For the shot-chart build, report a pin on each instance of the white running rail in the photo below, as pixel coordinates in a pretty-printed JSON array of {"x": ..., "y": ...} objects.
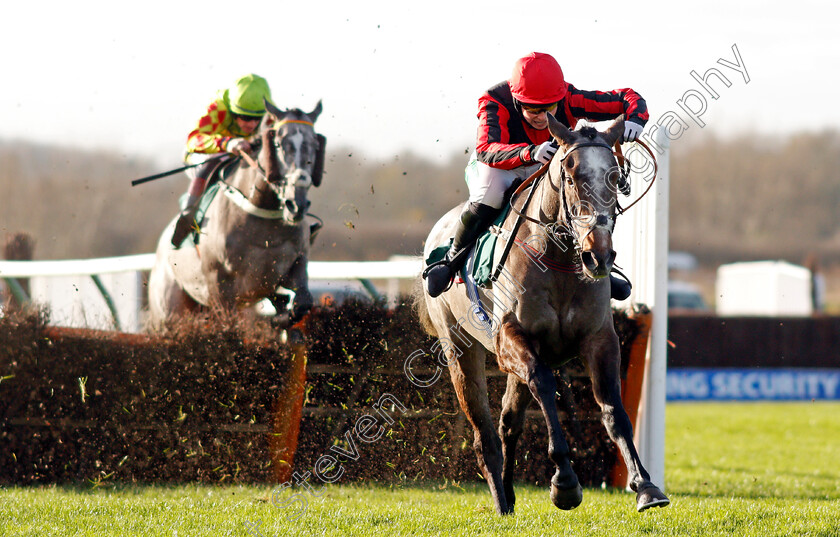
[{"x": 318, "y": 270}]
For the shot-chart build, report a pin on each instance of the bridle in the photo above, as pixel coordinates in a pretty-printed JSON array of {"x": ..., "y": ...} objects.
[
  {"x": 533, "y": 180},
  {"x": 273, "y": 135},
  {"x": 622, "y": 162},
  {"x": 564, "y": 228},
  {"x": 277, "y": 187}
]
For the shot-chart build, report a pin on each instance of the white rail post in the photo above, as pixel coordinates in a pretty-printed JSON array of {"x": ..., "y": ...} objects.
[
  {"x": 651, "y": 427},
  {"x": 641, "y": 240}
]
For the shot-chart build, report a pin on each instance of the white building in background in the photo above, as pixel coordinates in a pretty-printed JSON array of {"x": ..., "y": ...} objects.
[{"x": 765, "y": 288}]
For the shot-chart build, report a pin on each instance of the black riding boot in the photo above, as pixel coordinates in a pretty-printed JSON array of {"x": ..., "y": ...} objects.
[
  {"x": 314, "y": 228},
  {"x": 473, "y": 222},
  {"x": 186, "y": 221},
  {"x": 620, "y": 287}
]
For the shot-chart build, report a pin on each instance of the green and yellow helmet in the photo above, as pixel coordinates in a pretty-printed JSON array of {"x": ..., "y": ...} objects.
[{"x": 247, "y": 94}]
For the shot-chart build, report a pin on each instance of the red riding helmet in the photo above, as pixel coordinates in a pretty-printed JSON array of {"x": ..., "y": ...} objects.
[{"x": 537, "y": 79}]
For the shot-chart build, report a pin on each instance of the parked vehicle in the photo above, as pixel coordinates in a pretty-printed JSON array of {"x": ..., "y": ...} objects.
[{"x": 685, "y": 296}]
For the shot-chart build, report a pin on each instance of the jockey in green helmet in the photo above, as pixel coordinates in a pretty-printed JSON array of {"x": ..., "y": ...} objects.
[{"x": 226, "y": 127}]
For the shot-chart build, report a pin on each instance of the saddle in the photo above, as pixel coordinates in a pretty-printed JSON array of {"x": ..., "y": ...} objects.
[
  {"x": 204, "y": 202},
  {"x": 220, "y": 171},
  {"x": 482, "y": 250},
  {"x": 479, "y": 266}
]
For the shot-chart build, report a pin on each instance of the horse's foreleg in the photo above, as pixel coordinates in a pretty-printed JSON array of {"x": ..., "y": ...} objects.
[
  {"x": 514, "y": 404},
  {"x": 516, "y": 355},
  {"x": 298, "y": 281},
  {"x": 604, "y": 364},
  {"x": 470, "y": 383}
]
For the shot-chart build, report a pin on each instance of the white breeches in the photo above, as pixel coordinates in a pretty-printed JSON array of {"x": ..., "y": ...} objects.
[{"x": 488, "y": 185}]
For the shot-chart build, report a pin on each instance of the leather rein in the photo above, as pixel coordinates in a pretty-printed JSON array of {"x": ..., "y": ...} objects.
[
  {"x": 241, "y": 200},
  {"x": 623, "y": 164},
  {"x": 600, "y": 220}
]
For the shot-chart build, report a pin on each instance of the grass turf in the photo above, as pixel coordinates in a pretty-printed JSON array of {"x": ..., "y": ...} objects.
[{"x": 761, "y": 469}]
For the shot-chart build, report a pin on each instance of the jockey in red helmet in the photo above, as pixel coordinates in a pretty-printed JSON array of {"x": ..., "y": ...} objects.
[
  {"x": 514, "y": 141},
  {"x": 537, "y": 79}
]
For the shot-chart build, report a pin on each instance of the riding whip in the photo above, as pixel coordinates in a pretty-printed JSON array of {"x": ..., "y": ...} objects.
[{"x": 176, "y": 170}]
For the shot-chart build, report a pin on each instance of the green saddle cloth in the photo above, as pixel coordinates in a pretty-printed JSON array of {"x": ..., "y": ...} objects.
[
  {"x": 484, "y": 249},
  {"x": 203, "y": 205}
]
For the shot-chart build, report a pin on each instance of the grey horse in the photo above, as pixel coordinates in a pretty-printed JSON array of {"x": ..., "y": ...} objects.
[
  {"x": 254, "y": 237},
  {"x": 549, "y": 304}
]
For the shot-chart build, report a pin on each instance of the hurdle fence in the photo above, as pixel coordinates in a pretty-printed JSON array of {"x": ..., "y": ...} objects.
[{"x": 642, "y": 238}]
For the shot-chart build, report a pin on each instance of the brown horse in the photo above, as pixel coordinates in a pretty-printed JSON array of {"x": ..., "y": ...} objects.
[
  {"x": 550, "y": 304},
  {"x": 254, "y": 237}
]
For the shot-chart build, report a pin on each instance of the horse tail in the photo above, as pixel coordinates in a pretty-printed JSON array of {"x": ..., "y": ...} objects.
[{"x": 418, "y": 297}]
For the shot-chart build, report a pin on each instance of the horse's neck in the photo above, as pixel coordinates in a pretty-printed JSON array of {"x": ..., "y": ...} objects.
[
  {"x": 254, "y": 182},
  {"x": 255, "y": 188}
]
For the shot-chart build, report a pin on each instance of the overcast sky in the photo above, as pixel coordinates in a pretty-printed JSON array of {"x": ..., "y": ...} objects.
[{"x": 135, "y": 76}]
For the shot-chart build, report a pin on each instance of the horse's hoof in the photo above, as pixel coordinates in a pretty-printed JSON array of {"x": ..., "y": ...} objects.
[
  {"x": 566, "y": 499},
  {"x": 650, "y": 497},
  {"x": 299, "y": 312},
  {"x": 504, "y": 511},
  {"x": 511, "y": 499},
  {"x": 281, "y": 321},
  {"x": 295, "y": 337}
]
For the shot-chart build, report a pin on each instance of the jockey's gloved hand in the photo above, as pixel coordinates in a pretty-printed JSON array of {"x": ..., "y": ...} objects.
[
  {"x": 632, "y": 130},
  {"x": 238, "y": 145},
  {"x": 543, "y": 152}
]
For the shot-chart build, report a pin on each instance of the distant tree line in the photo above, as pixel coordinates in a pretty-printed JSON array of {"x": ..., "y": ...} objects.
[
  {"x": 757, "y": 197},
  {"x": 743, "y": 198}
]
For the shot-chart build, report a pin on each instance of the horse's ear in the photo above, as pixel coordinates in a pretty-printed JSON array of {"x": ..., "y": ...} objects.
[
  {"x": 614, "y": 131},
  {"x": 559, "y": 131},
  {"x": 313, "y": 115},
  {"x": 274, "y": 111}
]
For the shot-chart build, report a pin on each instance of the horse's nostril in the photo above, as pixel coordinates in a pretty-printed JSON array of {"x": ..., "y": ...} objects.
[{"x": 589, "y": 260}]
